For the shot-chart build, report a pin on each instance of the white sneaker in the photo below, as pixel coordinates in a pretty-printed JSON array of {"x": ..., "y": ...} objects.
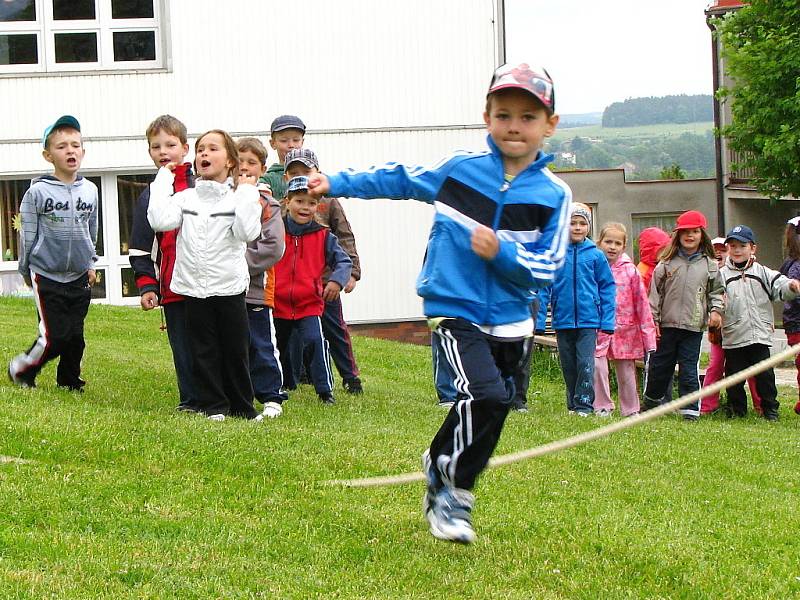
[
  {"x": 272, "y": 410},
  {"x": 449, "y": 515},
  {"x": 219, "y": 417},
  {"x": 603, "y": 412}
]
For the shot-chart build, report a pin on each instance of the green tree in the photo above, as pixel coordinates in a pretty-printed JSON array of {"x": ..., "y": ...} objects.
[
  {"x": 761, "y": 47},
  {"x": 673, "y": 171}
]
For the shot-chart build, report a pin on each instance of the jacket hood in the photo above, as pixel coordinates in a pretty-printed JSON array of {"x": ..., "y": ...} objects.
[
  {"x": 53, "y": 180},
  {"x": 623, "y": 260},
  {"x": 276, "y": 168},
  {"x": 651, "y": 241}
]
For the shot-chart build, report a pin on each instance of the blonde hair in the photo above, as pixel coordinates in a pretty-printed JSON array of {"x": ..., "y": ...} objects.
[{"x": 613, "y": 226}]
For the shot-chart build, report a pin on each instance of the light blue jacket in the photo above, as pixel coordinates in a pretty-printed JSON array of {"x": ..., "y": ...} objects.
[{"x": 530, "y": 217}]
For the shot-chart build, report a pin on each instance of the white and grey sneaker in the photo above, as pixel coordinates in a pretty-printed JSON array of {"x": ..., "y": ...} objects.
[
  {"x": 450, "y": 515},
  {"x": 272, "y": 410},
  {"x": 218, "y": 417}
]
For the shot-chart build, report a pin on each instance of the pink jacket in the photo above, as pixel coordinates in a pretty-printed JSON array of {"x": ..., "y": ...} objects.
[{"x": 635, "y": 332}]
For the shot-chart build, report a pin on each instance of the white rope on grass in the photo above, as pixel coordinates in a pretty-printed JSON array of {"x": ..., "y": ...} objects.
[
  {"x": 13, "y": 459},
  {"x": 593, "y": 434}
]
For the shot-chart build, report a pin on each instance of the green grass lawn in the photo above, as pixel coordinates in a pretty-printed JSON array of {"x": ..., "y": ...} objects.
[{"x": 123, "y": 498}]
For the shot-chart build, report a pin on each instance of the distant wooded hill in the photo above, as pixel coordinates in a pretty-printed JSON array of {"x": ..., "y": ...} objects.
[{"x": 666, "y": 109}]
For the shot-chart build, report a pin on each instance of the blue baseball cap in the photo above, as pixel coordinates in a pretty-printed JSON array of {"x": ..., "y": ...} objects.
[
  {"x": 741, "y": 233},
  {"x": 297, "y": 184},
  {"x": 287, "y": 122},
  {"x": 64, "y": 121}
]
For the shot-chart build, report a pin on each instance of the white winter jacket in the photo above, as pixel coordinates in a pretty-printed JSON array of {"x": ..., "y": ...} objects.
[
  {"x": 215, "y": 225},
  {"x": 750, "y": 292}
]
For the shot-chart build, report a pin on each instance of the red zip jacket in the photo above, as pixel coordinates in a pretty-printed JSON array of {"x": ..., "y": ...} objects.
[
  {"x": 152, "y": 255},
  {"x": 298, "y": 275}
]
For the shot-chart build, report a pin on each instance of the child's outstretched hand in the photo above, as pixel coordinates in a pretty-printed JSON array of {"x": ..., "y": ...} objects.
[
  {"x": 318, "y": 185},
  {"x": 485, "y": 243},
  {"x": 331, "y": 291},
  {"x": 794, "y": 285},
  {"x": 714, "y": 320}
]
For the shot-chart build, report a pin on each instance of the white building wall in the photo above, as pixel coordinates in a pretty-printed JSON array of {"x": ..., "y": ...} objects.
[{"x": 374, "y": 81}]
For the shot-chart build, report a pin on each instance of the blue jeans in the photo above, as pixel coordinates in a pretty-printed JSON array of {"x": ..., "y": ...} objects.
[
  {"x": 443, "y": 375},
  {"x": 576, "y": 352},
  {"x": 675, "y": 346},
  {"x": 265, "y": 368}
]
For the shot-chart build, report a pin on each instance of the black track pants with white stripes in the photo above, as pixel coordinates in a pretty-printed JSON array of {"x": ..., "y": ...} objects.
[{"x": 484, "y": 369}]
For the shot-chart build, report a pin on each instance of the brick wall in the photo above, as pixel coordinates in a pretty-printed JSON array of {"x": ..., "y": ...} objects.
[{"x": 412, "y": 332}]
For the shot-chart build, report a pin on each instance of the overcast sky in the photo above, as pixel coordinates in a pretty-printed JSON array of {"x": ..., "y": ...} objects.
[{"x": 603, "y": 52}]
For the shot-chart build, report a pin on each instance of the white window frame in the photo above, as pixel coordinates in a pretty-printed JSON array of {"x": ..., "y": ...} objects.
[{"x": 103, "y": 26}]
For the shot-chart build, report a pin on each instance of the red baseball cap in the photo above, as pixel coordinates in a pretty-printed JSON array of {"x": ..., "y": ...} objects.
[
  {"x": 535, "y": 81},
  {"x": 691, "y": 219}
]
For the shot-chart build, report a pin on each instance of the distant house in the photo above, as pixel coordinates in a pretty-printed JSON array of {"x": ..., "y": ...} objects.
[{"x": 737, "y": 200}]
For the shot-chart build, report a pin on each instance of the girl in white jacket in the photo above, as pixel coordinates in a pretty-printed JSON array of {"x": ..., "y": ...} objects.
[{"x": 216, "y": 218}]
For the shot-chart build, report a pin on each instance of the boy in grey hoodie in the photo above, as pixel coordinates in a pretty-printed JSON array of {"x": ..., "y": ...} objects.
[{"x": 58, "y": 236}]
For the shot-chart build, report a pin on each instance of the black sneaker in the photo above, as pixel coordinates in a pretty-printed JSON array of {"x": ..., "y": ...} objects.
[
  {"x": 23, "y": 382},
  {"x": 519, "y": 406},
  {"x": 649, "y": 404},
  {"x": 327, "y": 398},
  {"x": 771, "y": 415},
  {"x": 353, "y": 386}
]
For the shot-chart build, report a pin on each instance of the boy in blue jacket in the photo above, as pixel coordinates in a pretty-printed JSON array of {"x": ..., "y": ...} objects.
[
  {"x": 500, "y": 231},
  {"x": 582, "y": 300}
]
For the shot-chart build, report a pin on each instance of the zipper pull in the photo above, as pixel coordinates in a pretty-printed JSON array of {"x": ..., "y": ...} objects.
[{"x": 505, "y": 186}]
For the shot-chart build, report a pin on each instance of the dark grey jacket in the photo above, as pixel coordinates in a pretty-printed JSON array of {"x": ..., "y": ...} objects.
[{"x": 59, "y": 228}]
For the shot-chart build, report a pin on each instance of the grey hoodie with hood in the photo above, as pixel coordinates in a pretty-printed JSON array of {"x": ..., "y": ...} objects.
[{"x": 59, "y": 228}]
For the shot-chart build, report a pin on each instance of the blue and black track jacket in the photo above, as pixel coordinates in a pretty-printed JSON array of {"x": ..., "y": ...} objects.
[{"x": 530, "y": 216}]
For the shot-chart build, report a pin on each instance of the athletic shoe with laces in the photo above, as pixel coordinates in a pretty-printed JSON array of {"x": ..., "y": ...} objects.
[
  {"x": 603, "y": 412},
  {"x": 450, "y": 515},
  {"x": 20, "y": 381},
  {"x": 353, "y": 386},
  {"x": 272, "y": 410}
]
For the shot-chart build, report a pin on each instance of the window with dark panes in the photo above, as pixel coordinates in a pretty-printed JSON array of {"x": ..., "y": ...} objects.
[
  {"x": 17, "y": 10},
  {"x": 11, "y": 193},
  {"x": 134, "y": 45},
  {"x": 132, "y": 9},
  {"x": 74, "y": 10},
  {"x": 76, "y": 47},
  {"x": 129, "y": 188},
  {"x": 18, "y": 49},
  {"x": 78, "y": 35}
]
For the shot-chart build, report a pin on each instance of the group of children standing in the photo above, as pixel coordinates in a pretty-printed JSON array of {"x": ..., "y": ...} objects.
[
  {"x": 236, "y": 272},
  {"x": 505, "y": 226},
  {"x": 603, "y": 308}
]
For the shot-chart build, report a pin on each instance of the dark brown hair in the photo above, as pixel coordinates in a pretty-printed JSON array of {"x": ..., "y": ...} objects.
[
  {"x": 791, "y": 242},
  {"x": 674, "y": 244},
  {"x": 169, "y": 125},
  {"x": 230, "y": 150}
]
